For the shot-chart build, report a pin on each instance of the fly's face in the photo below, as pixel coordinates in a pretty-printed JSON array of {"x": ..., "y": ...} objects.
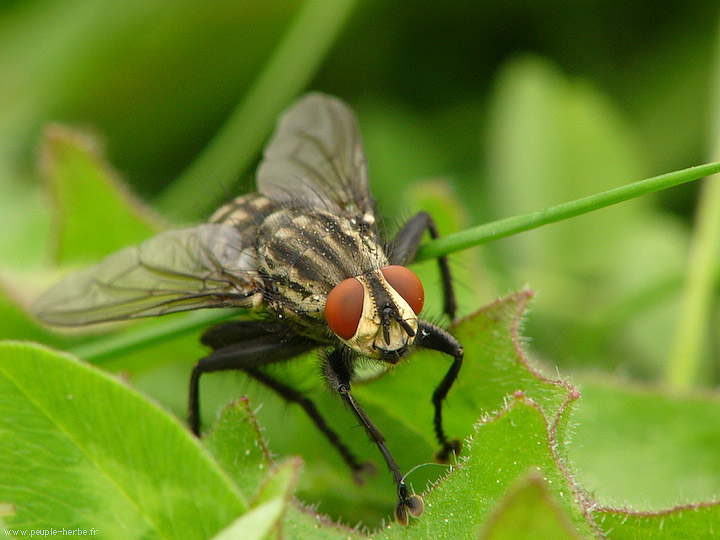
[{"x": 375, "y": 313}]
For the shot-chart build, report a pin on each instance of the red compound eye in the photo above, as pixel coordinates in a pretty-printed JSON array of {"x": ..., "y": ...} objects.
[
  {"x": 407, "y": 284},
  {"x": 344, "y": 307}
]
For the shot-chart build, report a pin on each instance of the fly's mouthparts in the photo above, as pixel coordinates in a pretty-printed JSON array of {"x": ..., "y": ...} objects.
[
  {"x": 390, "y": 313},
  {"x": 406, "y": 326},
  {"x": 386, "y": 323}
]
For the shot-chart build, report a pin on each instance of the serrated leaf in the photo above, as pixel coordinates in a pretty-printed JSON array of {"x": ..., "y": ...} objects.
[
  {"x": 690, "y": 521},
  {"x": 496, "y": 371},
  {"x": 89, "y": 198},
  {"x": 79, "y": 449},
  {"x": 526, "y": 434},
  {"x": 641, "y": 451},
  {"x": 502, "y": 450}
]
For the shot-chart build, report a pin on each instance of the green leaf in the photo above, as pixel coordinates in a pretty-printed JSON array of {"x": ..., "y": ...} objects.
[
  {"x": 517, "y": 439},
  {"x": 268, "y": 509},
  {"x": 79, "y": 449},
  {"x": 690, "y": 521},
  {"x": 528, "y": 511},
  {"x": 237, "y": 444},
  {"x": 88, "y": 197},
  {"x": 506, "y": 447},
  {"x": 501, "y": 452},
  {"x": 255, "y": 524},
  {"x": 119, "y": 459},
  {"x": 399, "y": 403},
  {"x": 645, "y": 447},
  {"x": 649, "y": 458}
]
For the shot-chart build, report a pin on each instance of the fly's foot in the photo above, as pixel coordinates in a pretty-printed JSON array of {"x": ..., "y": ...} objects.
[
  {"x": 449, "y": 448},
  {"x": 408, "y": 505}
]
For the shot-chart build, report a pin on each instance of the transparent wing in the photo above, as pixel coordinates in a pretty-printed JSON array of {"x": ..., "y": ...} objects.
[
  {"x": 204, "y": 266},
  {"x": 316, "y": 156}
]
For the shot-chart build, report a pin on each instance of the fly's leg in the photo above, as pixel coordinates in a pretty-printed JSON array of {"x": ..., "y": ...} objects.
[
  {"x": 338, "y": 371},
  {"x": 405, "y": 245},
  {"x": 247, "y": 346},
  {"x": 435, "y": 338},
  {"x": 239, "y": 345},
  {"x": 293, "y": 396}
]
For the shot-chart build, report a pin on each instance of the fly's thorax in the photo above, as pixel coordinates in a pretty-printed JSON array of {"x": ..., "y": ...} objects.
[
  {"x": 387, "y": 324},
  {"x": 304, "y": 254}
]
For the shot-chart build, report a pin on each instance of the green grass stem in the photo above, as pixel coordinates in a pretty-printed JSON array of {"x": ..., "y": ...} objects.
[{"x": 532, "y": 220}]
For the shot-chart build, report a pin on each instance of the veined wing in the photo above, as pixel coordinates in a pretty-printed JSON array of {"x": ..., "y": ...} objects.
[
  {"x": 199, "y": 267},
  {"x": 316, "y": 156}
]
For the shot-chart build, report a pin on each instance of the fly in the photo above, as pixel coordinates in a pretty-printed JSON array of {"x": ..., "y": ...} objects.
[{"x": 305, "y": 251}]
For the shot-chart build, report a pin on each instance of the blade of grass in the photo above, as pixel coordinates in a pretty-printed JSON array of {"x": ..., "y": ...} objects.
[
  {"x": 532, "y": 220},
  {"x": 693, "y": 328},
  {"x": 289, "y": 69}
]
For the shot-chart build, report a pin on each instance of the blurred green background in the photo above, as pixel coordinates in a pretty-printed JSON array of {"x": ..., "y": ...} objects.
[{"x": 472, "y": 110}]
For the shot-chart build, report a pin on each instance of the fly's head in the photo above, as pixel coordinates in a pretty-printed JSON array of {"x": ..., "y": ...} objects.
[{"x": 375, "y": 313}]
